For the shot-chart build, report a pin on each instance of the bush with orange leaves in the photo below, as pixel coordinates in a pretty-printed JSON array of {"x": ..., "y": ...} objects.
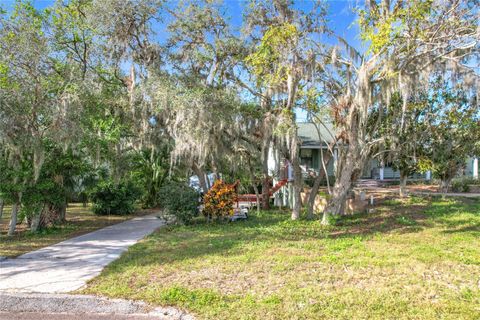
[{"x": 220, "y": 200}]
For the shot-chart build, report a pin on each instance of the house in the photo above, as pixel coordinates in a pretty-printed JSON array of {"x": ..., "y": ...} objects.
[
  {"x": 316, "y": 139},
  {"x": 312, "y": 147}
]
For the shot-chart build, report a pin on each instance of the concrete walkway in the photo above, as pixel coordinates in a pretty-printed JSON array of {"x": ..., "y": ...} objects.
[
  {"x": 68, "y": 265},
  {"x": 448, "y": 194}
]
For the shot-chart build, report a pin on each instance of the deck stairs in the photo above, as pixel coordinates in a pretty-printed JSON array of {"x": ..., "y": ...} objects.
[
  {"x": 273, "y": 190},
  {"x": 369, "y": 184}
]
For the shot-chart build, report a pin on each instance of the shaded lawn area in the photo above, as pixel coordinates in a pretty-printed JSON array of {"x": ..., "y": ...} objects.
[
  {"x": 80, "y": 220},
  {"x": 411, "y": 259}
]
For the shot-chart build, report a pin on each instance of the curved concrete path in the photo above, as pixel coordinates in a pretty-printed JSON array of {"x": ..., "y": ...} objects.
[
  {"x": 448, "y": 194},
  {"x": 68, "y": 265}
]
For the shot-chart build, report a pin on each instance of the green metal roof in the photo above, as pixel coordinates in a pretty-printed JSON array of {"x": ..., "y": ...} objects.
[{"x": 309, "y": 136}]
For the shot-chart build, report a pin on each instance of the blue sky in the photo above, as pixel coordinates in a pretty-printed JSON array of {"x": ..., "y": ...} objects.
[
  {"x": 340, "y": 16},
  {"x": 340, "y": 13}
]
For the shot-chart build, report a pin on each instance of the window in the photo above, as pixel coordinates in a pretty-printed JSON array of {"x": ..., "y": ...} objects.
[
  {"x": 306, "y": 159},
  {"x": 306, "y": 153}
]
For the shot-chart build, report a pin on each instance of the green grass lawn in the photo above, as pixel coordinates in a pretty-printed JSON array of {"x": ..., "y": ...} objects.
[
  {"x": 80, "y": 220},
  {"x": 412, "y": 259}
]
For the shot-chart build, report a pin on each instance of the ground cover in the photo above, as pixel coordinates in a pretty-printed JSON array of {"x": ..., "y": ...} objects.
[{"x": 415, "y": 258}]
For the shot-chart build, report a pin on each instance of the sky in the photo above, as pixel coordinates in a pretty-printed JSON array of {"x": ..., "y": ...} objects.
[
  {"x": 340, "y": 19},
  {"x": 340, "y": 14}
]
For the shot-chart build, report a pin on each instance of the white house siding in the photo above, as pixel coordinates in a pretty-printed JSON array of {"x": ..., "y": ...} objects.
[
  {"x": 389, "y": 173},
  {"x": 468, "y": 171},
  {"x": 471, "y": 167},
  {"x": 475, "y": 168},
  {"x": 272, "y": 160}
]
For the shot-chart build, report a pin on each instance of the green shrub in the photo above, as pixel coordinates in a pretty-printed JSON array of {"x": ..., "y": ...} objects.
[
  {"x": 111, "y": 198},
  {"x": 461, "y": 185},
  {"x": 180, "y": 200},
  {"x": 470, "y": 180}
]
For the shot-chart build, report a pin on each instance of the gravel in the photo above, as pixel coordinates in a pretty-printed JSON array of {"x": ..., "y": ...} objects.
[
  {"x": 21, "y": 304},
  {"x": 69, "y": 316}
]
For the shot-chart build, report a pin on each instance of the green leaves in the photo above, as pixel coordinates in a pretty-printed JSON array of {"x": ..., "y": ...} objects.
[
  {"x": 110, "y": 198},
  {"x": 110, "y": 128},
  {"x": 381, "y": 26},
  {"x": 179, "y": 200},
  {"x": 454, "y": 130},
  {"x": 46, "y": 191},
  {"x": 267, "y": 60}
]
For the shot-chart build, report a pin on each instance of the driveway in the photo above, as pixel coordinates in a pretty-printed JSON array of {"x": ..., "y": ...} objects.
[{"x": 68, "y": 265}]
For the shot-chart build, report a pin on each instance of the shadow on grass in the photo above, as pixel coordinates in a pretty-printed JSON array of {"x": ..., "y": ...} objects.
[
  {"x": 475, "y": 229},
  {"x": 173, "y": 244},
  {"x": 391, "y": 216},
  {"x": 460, "y": 215}
]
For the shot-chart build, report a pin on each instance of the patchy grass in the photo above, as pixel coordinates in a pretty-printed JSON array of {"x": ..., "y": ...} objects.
[
  {"x": 413, "y": 259},
  {"x": 80, "y": 220}
]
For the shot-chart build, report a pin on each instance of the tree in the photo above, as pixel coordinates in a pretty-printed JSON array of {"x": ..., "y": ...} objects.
[
  {"x": 325, "y": 157},
  {"x": 151, "y": 171},
  {"x": 282, "y": 61},
  {"x": 87, "y": 87},
  {"x": 404, "y": 145},
  {"x": 12, "y": 177},
  {"x": 407, "y": 42},
  {"x": 39, "y": 94},
  {"x": 202, "y": 52},
  {"x": 452, "y": 133}
]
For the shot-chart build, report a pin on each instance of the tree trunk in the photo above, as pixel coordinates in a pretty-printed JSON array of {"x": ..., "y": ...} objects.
[
  {"x": 403, "y": 184},
  {"x": 297, "y": 188},
  {"x": 254, "y": 185},
  {"x": 43, "y": 218},
  {"x": 201, "y": 177},
  {"x": 257, "y": 196},
  {"x": 266, "y": 141},
  {"x": 2, "y": 204},
  {"x": 339, "y": 195},
  {"x": 35, "y": 224},
  {"x": 313, "y": 194},
  {"x": 13, "y": 219},
  {"x": 62, "y": 212},
  {"x": 343, "y": 184},
  {"x": 444, "y": 185},
  {"x": 353, "y": 159},
  {"x": 447, "y": 176},
  {"x": 266, "y": 179},
  {"x": 266, "y": 192},
  {"x": 316, "y": 186}
]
